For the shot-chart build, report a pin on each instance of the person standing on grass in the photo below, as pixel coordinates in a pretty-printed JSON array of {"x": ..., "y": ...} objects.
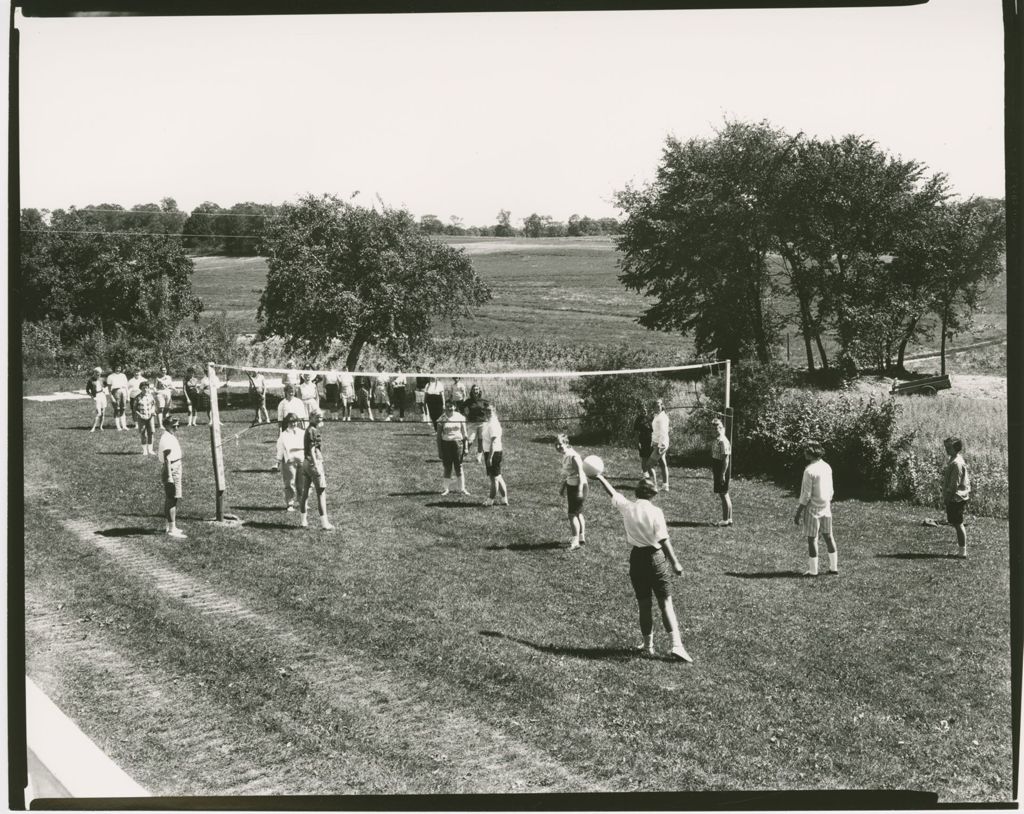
[
  {"x": 117, "y": 382},
  {"x": 134, "y": 388},
  {"x": 290, "y": 453},
  {"x": 258, "y": 389},
  {"x": 956, "y": 491},
  {"x": 309, "y": 393},
  {"x": 659, "y": 440},
  {"x": 421, "y": 398},
  {"x": 476, "y": 415},
  {"x": 398, "y": 390},
  {"x": 169, "y": 452},
  {"x": 491, "y": 438},
  {"x": 347, "y": 393},
  {"x": 451, "y": 446},
  {"x": 289, "y": 405},
  {"x": 815, "y": 509},
  {"x": 164, "y": 393},
  {"x": 721, "y": 469},
  {"x": 458, "y": 395},
  {"x": 363, "y": 397},
  {"x": 145, "y": 417},
  {"x": 97, "y": 391},
  {"x": 650, "y": 554},
  {"x": 311, "y": 473},
  {"x": 381, "y": 400},
  {"x": 332, "y": 394},
  {"x": 190, "y": 385},
  {"x": 433, "y": 396},
  {"x": 644, "y": 434},
  {"x": 574, "y": 487},
  {"x": 291, "y": 375}
]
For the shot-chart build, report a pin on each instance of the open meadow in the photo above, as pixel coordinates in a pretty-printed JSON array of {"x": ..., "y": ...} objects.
[{"x": 433, "y": 645}]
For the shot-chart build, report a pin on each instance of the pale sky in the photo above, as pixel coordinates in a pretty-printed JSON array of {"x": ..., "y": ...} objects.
[{"x": 466, "y": 114}]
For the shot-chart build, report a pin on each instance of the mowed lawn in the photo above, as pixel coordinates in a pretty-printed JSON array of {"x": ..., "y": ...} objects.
[{"x": 432, "y": 645}]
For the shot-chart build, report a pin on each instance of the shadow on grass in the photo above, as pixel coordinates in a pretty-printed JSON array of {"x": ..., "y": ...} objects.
[
  {"x": 128, "y": 531},
  {"x": 258, "y": 508},
  {"x": 765, "y": 574},
  {"x": 120, "y": 452},
  {"x": 260, "y": 524},
  {"x": 917, "y": 555},
  {"x": 411, "y": 494},
  {"x": 453, "y": 504},
  {"x": 526, "y": 546},
  {"x": 600, "y": 653},
  {"x": 264, "y": 470},
  {"x": 692, "y": 524}
]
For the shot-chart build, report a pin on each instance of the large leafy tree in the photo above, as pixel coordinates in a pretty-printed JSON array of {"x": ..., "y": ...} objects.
[
  {"x": 339, "y": 271},
  {"x": 698, "y": 238},
  {"x": 76, "y": 273}
]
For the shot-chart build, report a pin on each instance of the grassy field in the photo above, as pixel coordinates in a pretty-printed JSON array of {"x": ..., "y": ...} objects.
[{"x": 432, "y": 645}]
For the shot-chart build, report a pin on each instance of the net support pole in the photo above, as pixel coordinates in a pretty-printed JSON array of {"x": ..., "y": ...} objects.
[
  {"x": 215, "y": 442},
  {"x": 728, "y": 404}
]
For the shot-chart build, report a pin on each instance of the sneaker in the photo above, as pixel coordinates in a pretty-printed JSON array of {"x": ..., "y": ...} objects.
[
  {"x": 326, "y": 526},
  {"x": 303, "y": 522},
  {"x": 582, "y": 542},
  {"x": 574, "y": 544},
  {"x": 93, "y": 430},
  {"x": 644, "y": 650},
  {"x": 833, "y": 573},
  {"x": 479, "y": 457},
  {"x": 275, "y": 468},
  {"x": 810, "y": 573},
  {"x": 290, "y": 508},
  {"x": 723, "y": 523},
  {"x": 445, "y": 492},
  {"x": 463, "y": 492},
  {"x": 488, "y": 502},
  {"x": 679, "y": 652},
  {"x": 504, "y": 502},
  {"x": 178, "y": 533},
  {"x": 664, "y": 488}
]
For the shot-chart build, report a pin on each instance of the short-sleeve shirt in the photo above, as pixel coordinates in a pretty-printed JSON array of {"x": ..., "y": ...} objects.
[
  {"x": 956, "y": 485},
  {"x": 291, "y": 444},
  {"x": 347, "y": 382},
  {"x": 192, "y": 387},
  {"x": 308, "y": 391},
  {"x": 145, "y": 406},
  {"x": 164, "y": 382},
  {"x": 117, "y": 381},
  {"x": 312, "y": 440},
  {"x": 458, "y": 392},
  {"x": 292, "y": 405},
  {"x": 720, "y": 448},
  {"x": 331, "y": 377},
  {"x": 570, "y": 474},
  {"x": 133, "y": 386},
  {"x": 434, "y": 388},
  {"x": 94, "y": 386},
  {"x": 659, "y": 428},
  {"x": 475, "y": 412},
  {"x": 491, "y": 434},
  {"x": 292, "y": 378},
  {"x": 169, "y": 443},
  {"x": 644, "y": 522},
  {"x": 259, "y": 383},
  {"x": 398, "y": 380},
  {"x": 816, "y": 489},
  {"x": 452, "y": 427}
]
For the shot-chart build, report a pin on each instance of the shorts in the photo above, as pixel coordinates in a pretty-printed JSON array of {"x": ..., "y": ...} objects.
[
  {"x": 313, "y": 473},
  {"x": 451, "y": 457},
  {"x": 311, "y": 405},
  {"x": 192, "y": 399},
  {"x": 163, "y": 399},
  {"x": 720, "y": 474},
  {"x": 649, "y": 573},
  {"x": 348, "y": 397},
  {"x": 118, "y": 397},
  {"x": 955, "y": 512},
  {"x": 172, "y": 481},
  {"x": 420, "y": 396},
  {"x": 493, "y": 464},
  {"x": 646, "y": 451},
  {"x": 259, "y": 400},
  {"x": 813, "y": 525},
  {"x": 100, "y": 400},
  {"x": 576, "y": 503}
]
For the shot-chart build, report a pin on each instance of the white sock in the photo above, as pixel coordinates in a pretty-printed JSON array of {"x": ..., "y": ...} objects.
[
  {"x": 833, "y": 561},
  {"x": 812, "y": 565},
  {"x": 649, "y": 641}
]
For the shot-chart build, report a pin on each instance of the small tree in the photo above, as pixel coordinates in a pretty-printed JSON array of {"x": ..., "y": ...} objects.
[{"x": 338, "y": 271}]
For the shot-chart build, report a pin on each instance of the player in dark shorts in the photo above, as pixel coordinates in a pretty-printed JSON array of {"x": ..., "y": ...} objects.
[
  {"x": 311, "y": 473},
  {"x": 644, "y": 434}
]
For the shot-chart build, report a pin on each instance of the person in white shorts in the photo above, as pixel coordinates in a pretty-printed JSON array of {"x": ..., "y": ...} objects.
[
  {"x": 97, "y": 391},
  {"x": 659, "y": 440},
  {"x": 815, "y": 510},
  {"x": 574, "y": 486},
  {"x": 117, "y": 383},
  {"x": 347, "y": 390},
  {"x": 290, "y": 452},
  {"x": 169, "y": 452}
]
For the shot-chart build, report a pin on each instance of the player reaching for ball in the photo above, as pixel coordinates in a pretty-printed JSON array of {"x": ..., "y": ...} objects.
[{"x": 649, "y": 557}]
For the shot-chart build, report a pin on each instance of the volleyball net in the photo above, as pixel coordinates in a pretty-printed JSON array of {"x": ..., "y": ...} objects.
[{"x": 604, "y": 405}]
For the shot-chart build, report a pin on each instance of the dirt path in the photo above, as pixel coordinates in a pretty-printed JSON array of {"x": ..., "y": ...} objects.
[
  {"x": 195, "y": 754},
  {"x": 965, "y": 386}
]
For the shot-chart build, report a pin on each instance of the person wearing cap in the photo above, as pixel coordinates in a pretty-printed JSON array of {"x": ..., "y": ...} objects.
[
  {"x": 451, "y": 446},
  {"x": 117, "y": 382},
  {"x": 97, "y": 391},
  {"x": 650, "y": 555},
  {"x": 169, "y": 452},
  {"x": 290, "y": 452},
  {"x": 721, "y": 469},
  {"x": 145, "y": 417},
  {"x": 311, "y": 472},
  {"x": 164, "y": 391},
  {"x": 814, "y": 511},
  {"x": 659, "y": 440},
  {"x": 289, "y": 405},
  {"x": 574, "y": 487}
]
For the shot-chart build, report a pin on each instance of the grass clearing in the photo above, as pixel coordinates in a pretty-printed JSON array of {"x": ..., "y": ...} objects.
[{"x": 425, "y": 623}]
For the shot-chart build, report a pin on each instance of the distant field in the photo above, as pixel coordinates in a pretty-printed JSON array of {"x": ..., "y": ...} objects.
[{"x": 564, "y": 290}]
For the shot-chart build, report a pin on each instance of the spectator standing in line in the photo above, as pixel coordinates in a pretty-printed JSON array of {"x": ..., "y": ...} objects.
[
  {"x": 721, "y": 470},
  {"x": 332, "y": 395},
  {"x": 491, "y": 436},
  {"x": 458, "y": 395},
  {"x": 815, "y": 510},
  {"x": 290, "y": 452},
  {"x": 117, "y": 382},
  {"x": 96, "y": 388},
  {"x": 451, "y": 446},
  {"x": 398, "y": 394},
  {"x": 421, "y": 398},
  {"x": 134, "y": 388},
  {"x": 145, "y": 417},
  {"x": 347, "y": 391},
  {"x": 574, "y": 486},
  {"x": 956, "y": 491},
  {"x": 647, "y": 535},
  {"x": 364, "y": 396},
  {"x": 258, "y": 389},
  {"x": 659, "y": 440},
  {"x": 644, "y": 434},
  {"x": 169, "y": 452},
  {"x": 433, "y": 396},
  {"x": 309, "y": 393},
  {"x": 311, "y": 473},
  {"x": 193, "y": 396},
  {"x": 164, "y": 394},
  {"x": 381, "y": 400}
]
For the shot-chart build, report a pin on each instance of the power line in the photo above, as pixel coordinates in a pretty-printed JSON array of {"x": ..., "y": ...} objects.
[
  {"x": 147, "y": 234},
  {"x": 172, "y": 212}
]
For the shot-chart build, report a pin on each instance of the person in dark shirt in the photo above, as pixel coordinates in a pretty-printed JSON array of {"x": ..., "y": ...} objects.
[
  {"x": 312, "y": 472},
  {"x": 644, "y": 435},
  {"x": 476, "y": 415}
]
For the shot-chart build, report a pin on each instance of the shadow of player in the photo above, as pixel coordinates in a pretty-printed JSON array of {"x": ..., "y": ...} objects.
[
  {"x": 128, "y": 531},
  {"x": 765, "y": 574},
  {"x": 598, "y": 653},
  {"x": 917, "y": 555},
  {"x": 548, "y": 546}
]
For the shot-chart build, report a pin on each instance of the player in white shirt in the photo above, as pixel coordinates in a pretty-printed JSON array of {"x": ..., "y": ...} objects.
[
  {"x": 290, "y": 404},
  {"x": 659, "y": 440},
  {"x": 164, "y": 393},
  {"x": 649, "y": 557},
  {"x": 491, "y": 439},
  {"x": 574, "y": 487},
  {"x": 815, "y": 510},
  {"x": 169, "y": 452},
  {"x": 451, "y": 446},
  {"x": 721, "y": 470},
  {"x": 117, "y": 383},
  {"x": 96, "y": 389},
  {"x": 258, "y": 390},
  {"x": 289, "y": 458},
  {"x": 347, "y": 390}
]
